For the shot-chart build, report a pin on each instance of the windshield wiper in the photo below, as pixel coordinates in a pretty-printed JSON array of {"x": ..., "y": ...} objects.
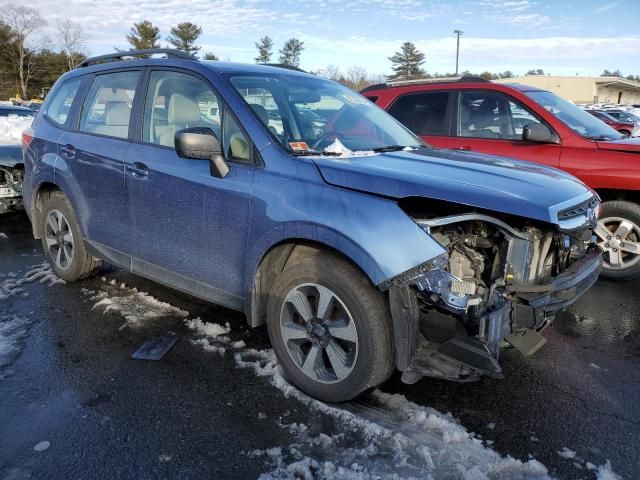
[
  {"x": 313, "y": 153},
  {"x": 599, "y": 138},
  {"x": 393, "y": 148}
]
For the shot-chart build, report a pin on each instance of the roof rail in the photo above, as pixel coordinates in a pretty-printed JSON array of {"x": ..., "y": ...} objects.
[
  {"x": 422, "y": 81},
  {"x": 117, "y": 56}
]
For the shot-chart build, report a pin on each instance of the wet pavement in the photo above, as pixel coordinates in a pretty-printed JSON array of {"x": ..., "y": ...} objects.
[{"x": 194, "y": 414}]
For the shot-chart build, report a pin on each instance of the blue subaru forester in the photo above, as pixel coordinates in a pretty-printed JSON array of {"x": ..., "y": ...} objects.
[{"x": 300, "y": 203}]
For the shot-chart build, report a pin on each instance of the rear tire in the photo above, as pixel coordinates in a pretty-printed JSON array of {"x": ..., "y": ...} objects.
[
  {"x": 621, "y": 255},
  {"x": 62, "y": 240},
  {"x": 352, "y": 340}
]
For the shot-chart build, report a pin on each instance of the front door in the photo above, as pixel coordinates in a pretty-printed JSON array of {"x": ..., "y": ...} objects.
[
  {"x": 492, "y": 123},
  {"x": 188, "y": 228}
]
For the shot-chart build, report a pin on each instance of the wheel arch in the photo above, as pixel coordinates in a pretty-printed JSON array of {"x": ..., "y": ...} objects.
[
  {"x": 40, "y": 194},
  {"x": 610, "y": 194},
  {"x": 281, "y": 255}
]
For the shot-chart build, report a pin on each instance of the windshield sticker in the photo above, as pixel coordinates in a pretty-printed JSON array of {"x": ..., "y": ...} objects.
[
  {"x": 299, "y": 146},
  {"x": 356, "y": 100}
]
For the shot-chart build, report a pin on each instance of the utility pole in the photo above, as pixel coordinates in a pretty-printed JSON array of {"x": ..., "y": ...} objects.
[{"x": 458, "y": 33}]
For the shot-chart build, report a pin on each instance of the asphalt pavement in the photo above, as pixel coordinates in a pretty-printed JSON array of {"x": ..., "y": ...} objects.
[{"x": 74, "y": 405}]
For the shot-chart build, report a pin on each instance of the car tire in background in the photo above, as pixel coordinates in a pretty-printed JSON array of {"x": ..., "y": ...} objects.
[
  {"x": 330, "y": 328},
  {"x": 62, "y": 240},
  {"x": 618, "y": 235}
]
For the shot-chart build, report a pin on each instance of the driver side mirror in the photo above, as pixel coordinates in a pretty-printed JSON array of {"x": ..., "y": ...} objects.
[
  {"x": 200, "y": 143},
  {"x": 538, "y": 133}
]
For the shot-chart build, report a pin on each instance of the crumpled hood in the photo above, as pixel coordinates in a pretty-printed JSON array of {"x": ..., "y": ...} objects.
[
  {"x": 631, "y": 145},
  {"x": 10, "y": 155},
  {"x": 483, "y": 181}
]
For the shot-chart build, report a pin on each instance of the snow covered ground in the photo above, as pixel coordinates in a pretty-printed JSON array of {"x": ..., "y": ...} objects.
[{"x": 11, "y": 128}]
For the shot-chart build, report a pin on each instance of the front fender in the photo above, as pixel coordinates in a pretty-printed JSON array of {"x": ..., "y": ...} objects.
[{"x": 374, "y": 232}]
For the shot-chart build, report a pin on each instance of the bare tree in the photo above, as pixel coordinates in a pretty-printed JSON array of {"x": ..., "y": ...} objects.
[
  {"x": 332, "y": 73},
  {"x": 357, "y": 77},
  {"x": 24, "y": 22},
  {"x": 73, "y": 42}
]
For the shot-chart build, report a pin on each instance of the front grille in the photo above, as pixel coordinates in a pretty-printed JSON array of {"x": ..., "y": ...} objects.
[{"x": 578, "y": 210}]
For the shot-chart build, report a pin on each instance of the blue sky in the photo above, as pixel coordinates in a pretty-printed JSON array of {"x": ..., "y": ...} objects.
[{"x": 563, "y": 38}]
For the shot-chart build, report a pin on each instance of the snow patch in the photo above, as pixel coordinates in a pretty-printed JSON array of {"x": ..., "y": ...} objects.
[
  {"x": 208, "y": 329},
  {"x": 14, "y": 330},
  {"x": 385, "y": 437},
  {"x": 605, "y": 472},
  {"x": 11, "y": 285},
  {"x": 3, "y": 235},
  {"x": 11, "y": 128},
  {"x": 137, "y": 308},
  {"x": 567, "y": 453},
  {"x": 337, "y": 147}
]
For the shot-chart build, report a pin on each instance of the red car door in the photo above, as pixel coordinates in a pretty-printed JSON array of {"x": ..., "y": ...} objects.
[{"x": 492, "y": 122}]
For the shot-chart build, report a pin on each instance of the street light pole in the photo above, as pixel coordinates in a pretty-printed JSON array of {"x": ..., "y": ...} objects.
[{"x": 458, "y": 33}]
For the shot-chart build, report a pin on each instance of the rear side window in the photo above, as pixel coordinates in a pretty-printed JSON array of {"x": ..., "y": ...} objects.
[
  {"x": 422, "y": 113},
  {"x": 60, "y": 104},
  {"x": 107, "y": 107}
]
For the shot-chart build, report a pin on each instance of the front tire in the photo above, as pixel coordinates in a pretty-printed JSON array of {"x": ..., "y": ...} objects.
[
  {"x": 62, "y": 241},
  {"x": 330, "y": 328},
  {"x": 618, "y": 233}
]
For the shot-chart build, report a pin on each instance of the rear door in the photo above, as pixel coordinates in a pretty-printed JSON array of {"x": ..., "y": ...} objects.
[
  {"x": 188, "y": 227},
  {"x": 492, "y": 122},
  {"x": 427, "y": 114},
  {"x": 94, "y": 158}
]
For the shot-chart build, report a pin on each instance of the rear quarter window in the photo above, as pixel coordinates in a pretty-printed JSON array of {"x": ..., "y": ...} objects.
[
  {"x": 60, "y": 105},
  {"x": 422, "y": 113}
]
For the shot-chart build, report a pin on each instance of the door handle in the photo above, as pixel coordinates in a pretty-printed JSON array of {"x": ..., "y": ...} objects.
[
  {"x": 138, "y": 170},
  {"x": 465, "y": 148},
  {"x": 68, "y": 151}
]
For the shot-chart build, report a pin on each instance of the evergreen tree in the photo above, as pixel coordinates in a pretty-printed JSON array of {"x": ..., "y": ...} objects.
[
  {"x": 210, "y": 56},
  {"x": 264, "y": 47},
  {"x": 537, "y": 71},
  {"x": 290, "y": 53},
  {"x": 144, "y": 35},
  {"x": 407, "y": 63},
  {"x": 183, "y": 37}
]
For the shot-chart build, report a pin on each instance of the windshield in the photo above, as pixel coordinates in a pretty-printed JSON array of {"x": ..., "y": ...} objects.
[
  {"x": 574, "y": 117},
  {"x": 312, "y": 115}
]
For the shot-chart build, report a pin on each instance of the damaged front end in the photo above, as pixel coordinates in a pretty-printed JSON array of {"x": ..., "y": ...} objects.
[
  {"x": 498, "y": 284},
  {"x": 11, "y": 187}
]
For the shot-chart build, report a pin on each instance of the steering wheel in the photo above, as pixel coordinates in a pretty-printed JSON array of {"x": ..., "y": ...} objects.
[{"x": 326, "y": 137}]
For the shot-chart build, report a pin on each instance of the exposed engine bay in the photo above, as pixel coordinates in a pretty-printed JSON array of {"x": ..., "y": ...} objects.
[
  {"x": 11, "y": 178},
  {"x": 500, "y": 284}
]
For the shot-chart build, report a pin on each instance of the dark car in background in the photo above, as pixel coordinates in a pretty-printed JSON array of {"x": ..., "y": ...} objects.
[
  {"x": 296, "y": 201},
  {"x": 525, "y": 122},
  {"x": 625, "y": 127},
  {"x": 13, "y": 119}
]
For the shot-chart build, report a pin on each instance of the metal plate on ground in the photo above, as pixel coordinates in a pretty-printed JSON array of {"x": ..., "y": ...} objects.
[{"x": 155, "y": 348}]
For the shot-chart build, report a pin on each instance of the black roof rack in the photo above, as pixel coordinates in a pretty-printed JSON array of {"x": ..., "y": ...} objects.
[
  {"x": 117, "y": 56},
  {"x": 284, "y": 65},
  {"x": 422, "y": 81}
]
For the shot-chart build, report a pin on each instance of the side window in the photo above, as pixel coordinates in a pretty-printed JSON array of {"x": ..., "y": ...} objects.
[
  {"x": 422, "y": 113},
  {"x": 481, "y": 115},
  {"x": 107, "y": 107},
  {"x": 175, "y": 101},
  {"x": 235, "y": 144},
  {"x": 520, "y": 116},
  {"x": 492, "y": 115},
  {"x": 60, "y": 105}
]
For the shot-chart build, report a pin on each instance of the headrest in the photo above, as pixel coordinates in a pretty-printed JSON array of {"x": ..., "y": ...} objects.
[
  {"x": 116, "y": 114},
  {"x": 261, "y": 112},
  {"x": 183, "y": 110}
]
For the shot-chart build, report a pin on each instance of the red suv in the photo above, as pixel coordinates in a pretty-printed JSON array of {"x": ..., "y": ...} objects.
[{"x": 519, "y": 121}]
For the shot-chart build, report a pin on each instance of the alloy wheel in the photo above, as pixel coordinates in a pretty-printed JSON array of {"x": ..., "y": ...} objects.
[
  {"x": 619, "y": 239},
  {"x": 319, "y": 333},
  {"x": 59, "y": 239}
]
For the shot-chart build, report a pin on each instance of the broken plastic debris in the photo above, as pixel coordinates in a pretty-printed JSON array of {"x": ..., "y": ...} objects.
[{"x": 155, "y": 348}]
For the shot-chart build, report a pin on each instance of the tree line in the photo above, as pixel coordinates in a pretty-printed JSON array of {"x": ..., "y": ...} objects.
[{"x": 30, "y": 63}]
